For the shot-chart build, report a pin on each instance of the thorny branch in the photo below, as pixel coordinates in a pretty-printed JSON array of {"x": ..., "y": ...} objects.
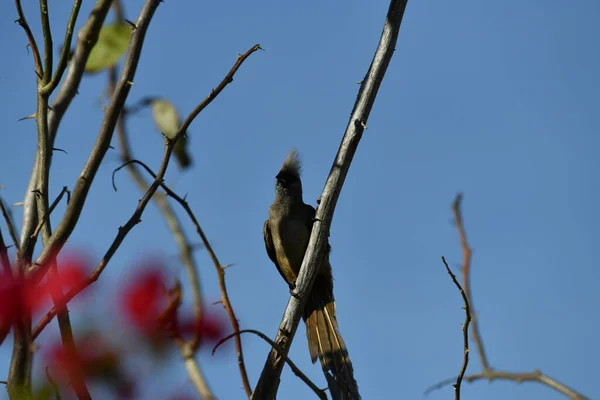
[
  {"x": 10, "y": 225},
  {"x": 39, "y": 70},
  {"x": 220, "y": 273},
  {"x": 87, "y": 38},
  {"x": 185, "y": 248},
  {"x": 84, "y": 182},
  {"x": 488, "y": 373},
  {"x": 135, "y": 218}
]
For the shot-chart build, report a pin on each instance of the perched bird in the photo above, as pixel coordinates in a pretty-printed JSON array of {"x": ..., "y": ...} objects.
[
  {"x": 286, "y": 234},
  {"x": 167, "y": 121}
]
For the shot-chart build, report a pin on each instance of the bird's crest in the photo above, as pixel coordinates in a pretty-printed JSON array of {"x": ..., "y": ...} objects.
[{"x": 292, "y": 164}]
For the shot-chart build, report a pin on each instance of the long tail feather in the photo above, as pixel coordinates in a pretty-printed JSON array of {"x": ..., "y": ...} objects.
[{"x": 326, "y": 343}]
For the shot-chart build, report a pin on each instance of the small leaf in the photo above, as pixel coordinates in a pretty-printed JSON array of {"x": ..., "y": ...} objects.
[{"x": 112, "y": 44}]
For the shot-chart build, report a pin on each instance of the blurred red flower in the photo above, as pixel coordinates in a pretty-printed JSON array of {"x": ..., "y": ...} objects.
[
  {"x": 154, "y": 310},
  {"x": 20, "y": 296},
  {"x": 95, "y": 359},
  {"x": 144, "y": 299}
]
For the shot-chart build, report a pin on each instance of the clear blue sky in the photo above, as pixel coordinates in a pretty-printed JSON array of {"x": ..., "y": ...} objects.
[{"x": 495, "y": 99}]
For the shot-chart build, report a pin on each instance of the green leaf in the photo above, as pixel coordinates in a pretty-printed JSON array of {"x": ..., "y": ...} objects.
[{"x": 112, "y": 44}]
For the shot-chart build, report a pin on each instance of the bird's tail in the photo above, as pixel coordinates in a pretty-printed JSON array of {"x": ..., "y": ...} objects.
[{"x": 326, "y": 343}]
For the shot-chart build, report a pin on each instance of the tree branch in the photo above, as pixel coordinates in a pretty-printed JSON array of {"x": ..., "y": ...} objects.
[
  {"x": 39, "y": 70},
  {"x": 465, "y": 330},
  {"x": 66, "y": 48},
  {"x": 268, "y": 382},
  {"x": 466, "y": 275},
  {"x": 135, "y": 218},
  {"x": 87, "y": 38},
  {"x": 319, "y": 392},
  {"x": 220, "y": 273},
  {"x": 185, "y": 248},
  {"x": 84, "y": 182},
  {"x": 11, "y": 226},
  {"x": 488, "y": 373}
]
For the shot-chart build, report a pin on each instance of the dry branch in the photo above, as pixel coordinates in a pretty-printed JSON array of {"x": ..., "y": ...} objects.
[
  {"x": 488, "y": 373},
  {"x": 268, "y": 383},
  {"x": 465, "y": 330}
]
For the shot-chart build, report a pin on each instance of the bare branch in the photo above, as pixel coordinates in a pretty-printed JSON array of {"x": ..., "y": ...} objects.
[
  {"x": 64, "y": 53},
  {"x": 465, "y": 329},
  {"x": 87, "y": 38},
  {"x": 319, "y": 392},
  {"x": 220, "y": 273},
  {"x": 47, "y": 34},
  {"x": 466, "y": 275},
  {"x": 84, "y": 182},
  {"x": 39, "y": 70},
  {"x": 488, "y": 373},
  {"x": 268, "y": 382},
  {"x": 10, "y": 224},
  {"x": 185, "y": 248},
  {"x": 133, "y": 220},
  {"x": 4, "y": 256}
]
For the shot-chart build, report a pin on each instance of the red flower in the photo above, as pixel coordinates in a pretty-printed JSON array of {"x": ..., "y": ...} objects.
[
  {"x": 96, "y": 360},
  {"x": 20, "y": 296},
  {"x": 210, "y": 328},
  {"x": 144, "y": 300}
]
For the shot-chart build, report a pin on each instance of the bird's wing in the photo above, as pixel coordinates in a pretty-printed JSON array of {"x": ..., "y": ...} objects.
[{"x": 271, "y": 248}]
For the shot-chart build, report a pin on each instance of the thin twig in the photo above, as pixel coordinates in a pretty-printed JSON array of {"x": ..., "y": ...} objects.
[
  {"x": 219, "y": 268},
  {"x": 518, "y": 377},
  {"x": 50, "y": 209},
  {"x": 39, "y": 69},
  {"x": 86, "y": 177},
  {"x": 47, "y": 34},
  {"x": 4, "y": 256},
  {"x": 319, "y": 392},
  {"x": 465, "y": 330},
  {"x": 466, "y": 278},
  {"x": 135, "y": 218},
  {"x": 185, "y": 248},
  {"x": 268, "y": 383},
  {"x": 489, "y": 373},
  {"x": 11, "y": 226},
  {"x": 86, "y": 39},
  {"x": 66, "y": 48}
]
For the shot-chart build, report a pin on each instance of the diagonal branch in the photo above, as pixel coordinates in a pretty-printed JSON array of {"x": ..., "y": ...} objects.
[
  {"x": 267, "y": 385},
  {"x": 220, "y": 273},
  {"x": 185, "y": 248},
  {"x": 135, "y": 218}
]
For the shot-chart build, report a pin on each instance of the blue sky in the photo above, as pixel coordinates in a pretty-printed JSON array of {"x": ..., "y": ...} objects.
[{"x": 498, "y": 100}]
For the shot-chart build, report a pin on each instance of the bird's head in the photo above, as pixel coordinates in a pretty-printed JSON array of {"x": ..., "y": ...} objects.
[{"x": 288, "y": 178}]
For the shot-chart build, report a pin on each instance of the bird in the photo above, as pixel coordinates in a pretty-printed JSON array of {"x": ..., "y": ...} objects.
[
  {"x": 286, "y": 234},
  {"x": 167, "y": 120}
]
